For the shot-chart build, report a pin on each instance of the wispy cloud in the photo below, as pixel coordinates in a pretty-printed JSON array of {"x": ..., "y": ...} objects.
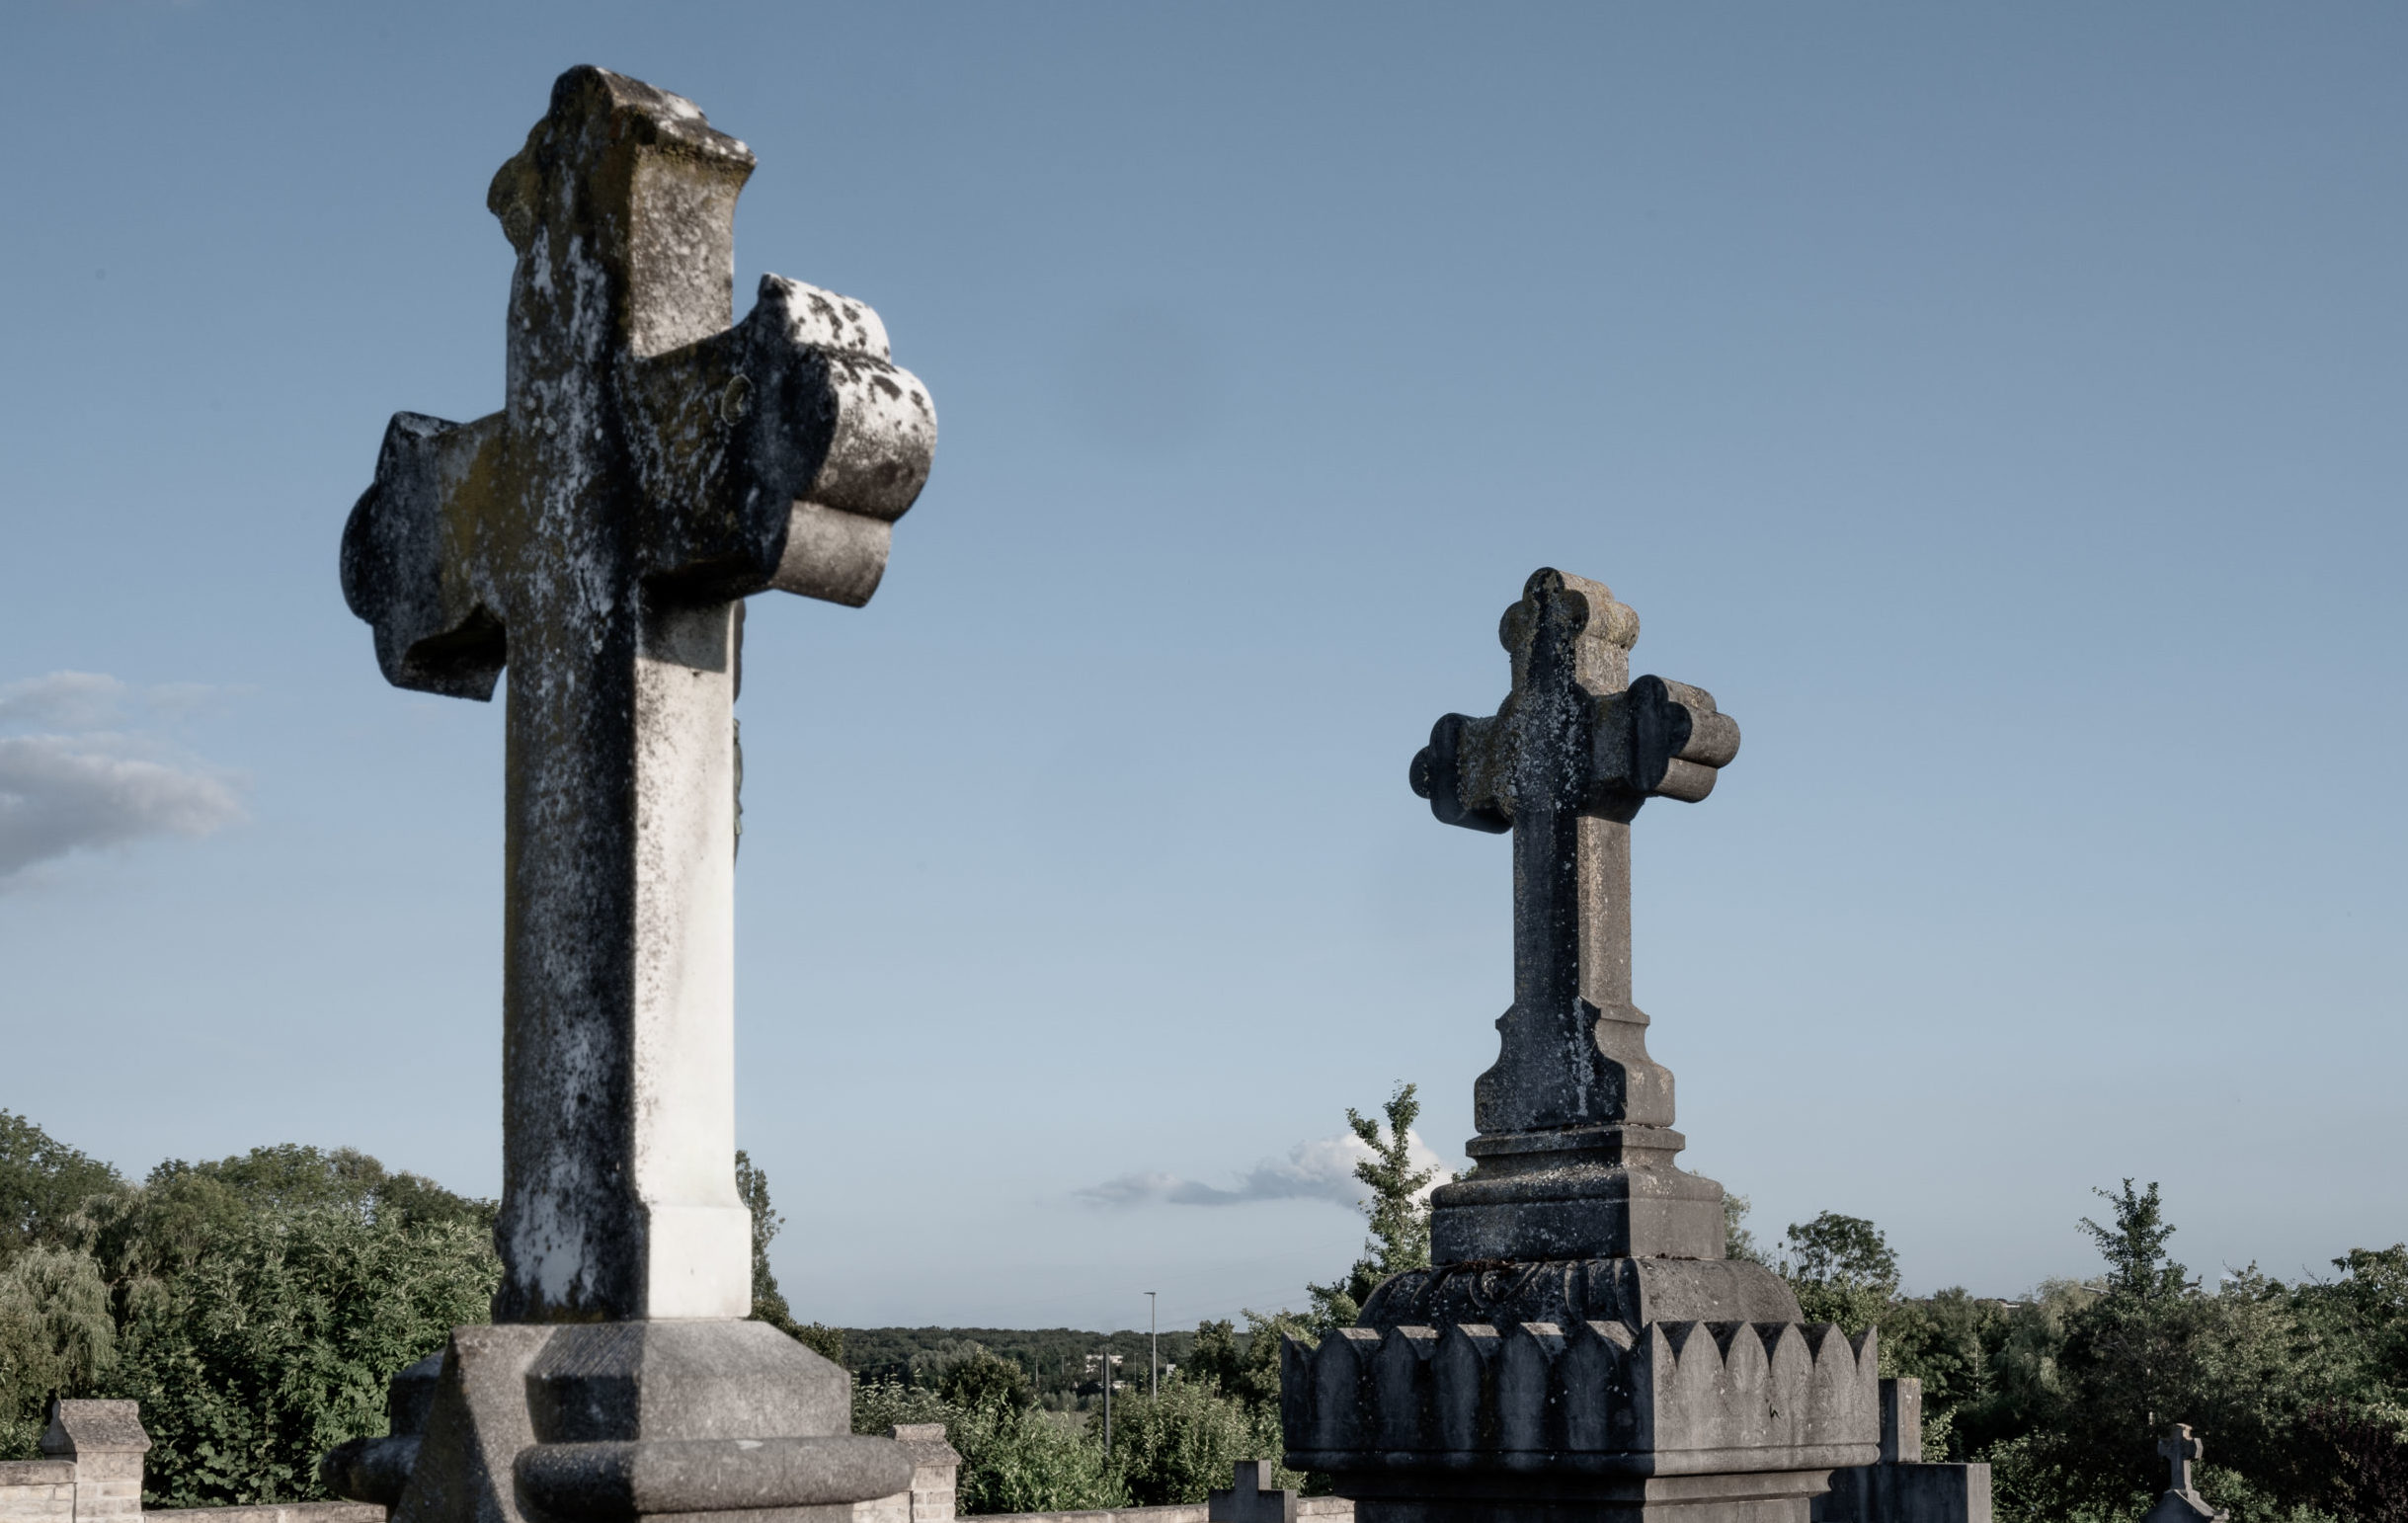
[
  {"x": 78, "y": 772},
  {"x": 1321, "y": 1169}
]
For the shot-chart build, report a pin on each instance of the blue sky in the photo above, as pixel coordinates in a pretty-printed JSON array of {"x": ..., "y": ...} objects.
[{"x": 1998, "y": 409}]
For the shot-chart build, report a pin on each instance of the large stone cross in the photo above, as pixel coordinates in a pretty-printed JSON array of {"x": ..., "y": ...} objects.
[
  {"x": 652, "y": 466},
  {"x": 1564, "y": 763}
]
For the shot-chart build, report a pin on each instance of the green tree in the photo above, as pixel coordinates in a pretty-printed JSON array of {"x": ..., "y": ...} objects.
[
  {"x": 2135, "y": 1247},
  {"x": 1013, "y": 1459},
  {"x": 1244, "y": 1367},
  {"x": 277, "y": 1341},
  {"x": 44, "y": 1185},
  {"x": 1842, "y": 1268},
  {"x": 769, "y": 1302},
  {"x": 1738, "y": 1244},
  {"x": 1399, "y": 1212},
  {"x": 57, "y": 1336},
  {"x": 1175, "y": 1447}
]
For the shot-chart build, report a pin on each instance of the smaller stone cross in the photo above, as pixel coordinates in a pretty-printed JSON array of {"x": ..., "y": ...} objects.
[
  {"x": 1564, "y": 763},
  {"x": 2181, "y": 1504},
  {"x": 2180, "y": 1450},
  {"x": 1253, "y": 1498}
]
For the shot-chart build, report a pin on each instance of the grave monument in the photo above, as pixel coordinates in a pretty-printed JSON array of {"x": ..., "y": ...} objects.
[
  {"x": 2181, "y": 1503},
  {"x": 654, "y": 463},
  {"x": 1579, "y": 1347}
]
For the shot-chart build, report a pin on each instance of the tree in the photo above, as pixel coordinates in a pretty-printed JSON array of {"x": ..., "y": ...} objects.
[
  {"x": 55, "y": 1336},
  {"x": 1244, "y": 1369},
  {"x": 278, "y": 1341},
  {"x": 1738, "y": 1244},
  {"x": 44, "y": 1184},
  {"x": 1842, "y": 1268},
  {"x": 2135, "y": 1247},
  {"x": 1398, "y": 1211},
  {"x": 769, "y": 1302},
  {"x": 1174, "y": 1447}
]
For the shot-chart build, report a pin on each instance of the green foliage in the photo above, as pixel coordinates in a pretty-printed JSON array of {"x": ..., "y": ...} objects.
[
  {"x": 44, "y": 1184},
  {"x": 2300, "y": 1391},
  {"x": 1399, "y": 1216},
  {"x": 55, "y": 1335},
  {"x": 1842, "y": 1269},
  {"x": 1013, "y": 1459},
  {"x": 1738, "y": 1244},
  {"x": 2135, "y": 1247},
  {"x": 1176, "y": 1447},
  {"x": 769, "y": 1302},
  {"x": 277, "y": 1341},
  {"x": 1245, "y": 1367}
]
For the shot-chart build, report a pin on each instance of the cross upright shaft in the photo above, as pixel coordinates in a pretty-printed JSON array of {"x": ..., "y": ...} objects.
[{"x": 652, "y": 466}]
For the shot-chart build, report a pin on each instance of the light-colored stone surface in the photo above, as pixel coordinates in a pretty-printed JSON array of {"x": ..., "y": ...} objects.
[{"x": 287, "y": 1512}]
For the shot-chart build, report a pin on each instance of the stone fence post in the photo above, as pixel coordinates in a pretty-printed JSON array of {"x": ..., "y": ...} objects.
[
  {"x": 91, "y": 1472},
  {"x": 936, "y": 1466},
  {"x": 1901, "y": 1488}
]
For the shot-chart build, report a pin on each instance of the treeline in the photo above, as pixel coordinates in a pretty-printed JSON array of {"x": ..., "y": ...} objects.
[
  {"x": 255, "y": 1305},
  {"x": 2300, "y": 1389},
  {"x": 1061, "y": 1364}
]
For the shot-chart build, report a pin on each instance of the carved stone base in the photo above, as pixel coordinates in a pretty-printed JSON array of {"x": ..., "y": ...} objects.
[
  {"x": 1758, "y": 1496},
  {"x": 1631, "y": 1291},
  {"x": 614, "y": 1422}
]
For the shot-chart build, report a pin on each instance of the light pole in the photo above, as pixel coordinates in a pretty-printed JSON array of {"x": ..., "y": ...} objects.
[
  {"x": 1154, "y": 1353},
  {"x": 1107, "y": 1400}
]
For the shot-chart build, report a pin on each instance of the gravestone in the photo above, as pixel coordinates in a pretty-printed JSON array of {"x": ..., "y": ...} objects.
[
  {"x": 654, "y": 463},
  {"x": 1578, "y": 1343},
  {"x": 2181, "y": 1503},
  {"x": 1254, "y": 1497}
]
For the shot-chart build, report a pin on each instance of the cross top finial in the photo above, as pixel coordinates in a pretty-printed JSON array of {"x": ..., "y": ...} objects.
[{"x": 2180, "y": 1450}]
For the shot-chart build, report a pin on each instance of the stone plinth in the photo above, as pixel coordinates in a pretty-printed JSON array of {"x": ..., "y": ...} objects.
[{"x": 1536, "y": 1415}]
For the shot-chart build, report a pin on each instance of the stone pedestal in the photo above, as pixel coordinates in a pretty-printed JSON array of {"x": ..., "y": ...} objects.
[{"x": 621, "y": 1421}]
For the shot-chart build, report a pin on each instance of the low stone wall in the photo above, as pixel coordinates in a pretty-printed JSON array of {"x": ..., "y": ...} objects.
[
  {"x": 93, "y": 1474},
  {"x": 38, "y": 1491},
  {"x": 279, "y": 1512}
]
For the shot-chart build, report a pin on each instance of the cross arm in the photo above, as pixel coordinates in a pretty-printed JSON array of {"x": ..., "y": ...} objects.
[
  {"x": 779, "y": 454},
  {"x": 1658, "y": 738},
  {"x": 413, "y": 554}
]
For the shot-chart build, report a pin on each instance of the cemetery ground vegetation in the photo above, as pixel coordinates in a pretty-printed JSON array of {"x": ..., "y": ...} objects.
[{"x": 256, "y": 1305}]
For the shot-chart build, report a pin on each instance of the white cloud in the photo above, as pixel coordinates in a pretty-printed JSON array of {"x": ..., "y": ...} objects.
[
  {"x": 1320, "y": 1169},
  {"x": 73, "y": 777}
]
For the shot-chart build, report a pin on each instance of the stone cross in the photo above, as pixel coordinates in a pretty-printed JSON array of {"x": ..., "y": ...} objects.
[
  {"x": 1252, "y": 1497},
  {"x": 1564, "y": 763},
  {"x": 2180, "y": 1450},
  {"x": 653, "y": 464},
  {"x": 2180, "y": 1503}
]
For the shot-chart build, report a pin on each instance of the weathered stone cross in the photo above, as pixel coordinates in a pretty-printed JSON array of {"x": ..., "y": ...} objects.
[
  {"x": 2180, "y": 1450},
  {"x": 1565, "y": 764},
  {"x": 653, "y": 465}
]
